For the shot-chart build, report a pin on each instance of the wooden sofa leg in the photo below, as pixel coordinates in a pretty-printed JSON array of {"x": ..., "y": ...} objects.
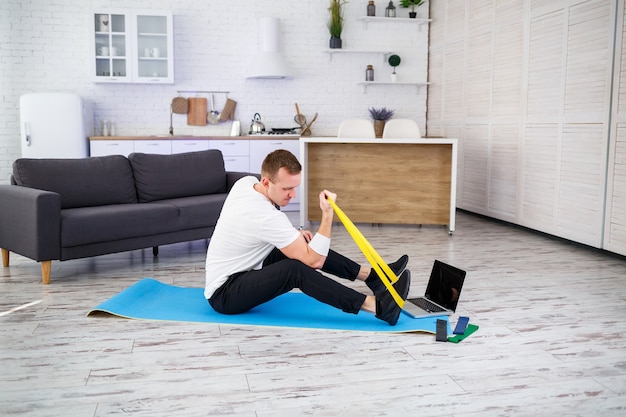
[
  {"x": 155, "y": 251},
  {"x": 46, "y": 266},
  {"x": 45, "y": 271}
]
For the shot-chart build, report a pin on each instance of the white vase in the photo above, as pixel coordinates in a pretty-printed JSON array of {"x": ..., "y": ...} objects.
[{"x": 394, "y": 77}]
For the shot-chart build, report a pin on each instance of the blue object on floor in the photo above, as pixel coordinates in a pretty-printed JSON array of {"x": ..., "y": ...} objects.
[{"x": 149, "y": 299}]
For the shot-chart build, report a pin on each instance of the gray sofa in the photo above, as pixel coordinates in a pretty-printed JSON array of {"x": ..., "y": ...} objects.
[{"x": 60, "y": 209}]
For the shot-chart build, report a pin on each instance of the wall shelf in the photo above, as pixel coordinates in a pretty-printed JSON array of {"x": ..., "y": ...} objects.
[
  {"x": 366, "y": 84},
  {"x": 378, "y": 19},
  {"x": 331, "y": 52},
  {"x": 202, "y": 91}
]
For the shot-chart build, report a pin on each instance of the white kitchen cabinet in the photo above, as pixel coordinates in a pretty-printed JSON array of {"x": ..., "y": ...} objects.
[
  {"x": 157, "y": 146},
  {"x": 259, "y": 150},
  {"x": 133, "y": 47},
  {"x": 126, "y": 147},
  {"x": 110, "y": 147},
  {"x": 236, "y": 153},
  {"x": 189, "y": 145},
  {"x": 154, "y": 48},
  {"x": 111, "y": 47}
]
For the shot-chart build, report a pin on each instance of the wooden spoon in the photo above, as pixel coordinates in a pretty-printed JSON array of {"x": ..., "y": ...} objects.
[{"x": 307, "y": 130}]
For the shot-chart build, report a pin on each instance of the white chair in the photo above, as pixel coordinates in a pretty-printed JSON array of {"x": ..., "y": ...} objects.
[
  {"x": 401, "y": 129},
  {"x": 356, "y": 128}
]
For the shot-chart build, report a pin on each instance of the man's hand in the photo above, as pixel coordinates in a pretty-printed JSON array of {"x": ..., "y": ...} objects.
[
  {"x": 307, "y": 235},
  {"x": 301, "y": 250},
  {"x": 324, "y": 204}
]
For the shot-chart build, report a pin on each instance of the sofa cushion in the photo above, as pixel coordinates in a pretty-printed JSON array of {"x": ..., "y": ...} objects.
[
  {"x": 159, "y": 177},
  {"x": 82, "y": 182},
  {"x": 81, "y": 226},
  {"x": 198, "y": 211}
]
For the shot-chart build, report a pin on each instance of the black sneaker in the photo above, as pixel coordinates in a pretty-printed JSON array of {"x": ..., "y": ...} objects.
[
  {"x": 386, "y": 307},
  {"x": 374, "y": 282}
]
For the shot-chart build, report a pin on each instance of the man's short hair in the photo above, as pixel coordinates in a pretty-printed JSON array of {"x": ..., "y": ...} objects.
[{"x": 278, "y": 159}]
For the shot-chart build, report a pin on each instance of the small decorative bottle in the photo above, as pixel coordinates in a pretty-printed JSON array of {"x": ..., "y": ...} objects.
[
  {"x": 371, "y": 8},
  {"x": 369, "y": 73}
]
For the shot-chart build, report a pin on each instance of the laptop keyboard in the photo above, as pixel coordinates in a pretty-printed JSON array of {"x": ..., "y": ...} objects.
[{"x": 428, "y": 305}]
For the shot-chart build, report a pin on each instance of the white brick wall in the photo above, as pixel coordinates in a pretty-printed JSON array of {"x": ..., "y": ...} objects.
[{"x": 44, "y": 46}]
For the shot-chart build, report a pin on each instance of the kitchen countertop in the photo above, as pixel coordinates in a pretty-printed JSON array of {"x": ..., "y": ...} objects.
[
  {"x": 431, "y": 140},
  {"x": 193, "y": 137}
]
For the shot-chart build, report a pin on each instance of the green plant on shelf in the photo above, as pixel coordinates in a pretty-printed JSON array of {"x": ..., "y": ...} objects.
[
  {"x": 412, "y": 4},
  {"x": 394, "y": 61},
  {"x": 335, "y": 24}
]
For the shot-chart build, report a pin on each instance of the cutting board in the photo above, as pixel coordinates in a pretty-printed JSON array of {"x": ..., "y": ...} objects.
[{"x": 196, "y": 115}]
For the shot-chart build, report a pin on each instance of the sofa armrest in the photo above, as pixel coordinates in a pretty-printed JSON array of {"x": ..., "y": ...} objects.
[
  {"x": 30, "y": 222},
  {"x": 232, "y": 177}
]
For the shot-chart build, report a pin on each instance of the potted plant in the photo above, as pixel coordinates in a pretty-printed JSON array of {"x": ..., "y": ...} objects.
[
  {"x": 412, "y": 4},
  {"x": 335, "y": 23},
  {"x": 380, "y": 116},
  {"x": 394, "y": 61}
]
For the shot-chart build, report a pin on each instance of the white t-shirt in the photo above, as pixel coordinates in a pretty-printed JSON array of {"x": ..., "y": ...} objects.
[{"x": 248, "y": 229}]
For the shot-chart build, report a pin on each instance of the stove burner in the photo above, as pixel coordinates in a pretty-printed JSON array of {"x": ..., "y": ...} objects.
[
  {"x": 276, "y": 131},
  {"x": 282, "y": 132}
]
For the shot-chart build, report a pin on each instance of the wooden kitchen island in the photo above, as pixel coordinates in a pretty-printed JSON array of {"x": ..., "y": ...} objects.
[{"x": 398, "y": 181}]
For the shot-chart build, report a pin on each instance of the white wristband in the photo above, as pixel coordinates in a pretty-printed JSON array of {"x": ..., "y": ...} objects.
[{"x": 320, "y": 244}]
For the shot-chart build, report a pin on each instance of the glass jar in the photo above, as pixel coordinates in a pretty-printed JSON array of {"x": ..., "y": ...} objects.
[
  {"x": 369, "y": 73},
  {"x": 371, "y": 8}
]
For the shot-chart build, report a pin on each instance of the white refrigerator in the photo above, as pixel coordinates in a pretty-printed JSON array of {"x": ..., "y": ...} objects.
[{"x": 55, "y": 125}]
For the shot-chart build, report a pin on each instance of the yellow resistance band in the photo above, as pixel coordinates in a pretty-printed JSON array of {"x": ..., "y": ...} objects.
[{"x": 370, "y": 253}]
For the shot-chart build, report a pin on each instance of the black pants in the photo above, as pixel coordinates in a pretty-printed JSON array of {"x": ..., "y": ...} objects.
[{"x": 245, "y": 290}]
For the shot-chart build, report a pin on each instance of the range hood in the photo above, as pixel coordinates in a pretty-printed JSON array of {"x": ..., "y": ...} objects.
[{"x": 268, "y": 63}]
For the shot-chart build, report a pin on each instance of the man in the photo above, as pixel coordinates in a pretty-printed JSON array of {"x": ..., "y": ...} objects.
[{"x": 255, "y": 253}]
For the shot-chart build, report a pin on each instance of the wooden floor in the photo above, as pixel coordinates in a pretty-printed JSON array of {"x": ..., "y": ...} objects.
[{"x": 552, "y": 339}]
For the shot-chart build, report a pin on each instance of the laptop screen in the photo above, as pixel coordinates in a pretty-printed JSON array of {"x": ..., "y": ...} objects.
[{"x": 445, "y": 284}]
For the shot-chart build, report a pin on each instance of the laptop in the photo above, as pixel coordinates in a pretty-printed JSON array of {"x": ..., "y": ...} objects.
[{"x": 442, "y": 293}]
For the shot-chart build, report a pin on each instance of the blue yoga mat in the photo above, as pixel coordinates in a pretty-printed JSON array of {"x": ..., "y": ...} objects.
[{"x": 149, "y": 299}]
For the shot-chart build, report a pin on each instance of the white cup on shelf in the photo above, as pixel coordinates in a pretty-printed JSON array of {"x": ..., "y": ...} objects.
[
  {"x": 156, "y": 52},
  {"x": 147, "y": 52},
  {"x": 103, "y": 51},
  {"x": 115, "y": 51}
]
